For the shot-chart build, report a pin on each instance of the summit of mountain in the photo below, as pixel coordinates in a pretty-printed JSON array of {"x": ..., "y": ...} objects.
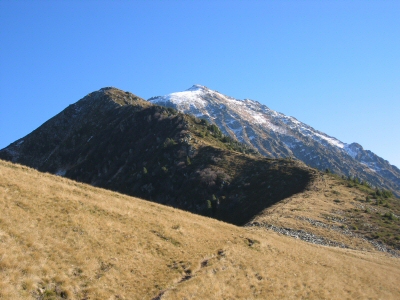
[{"x": 276, "y": 135}]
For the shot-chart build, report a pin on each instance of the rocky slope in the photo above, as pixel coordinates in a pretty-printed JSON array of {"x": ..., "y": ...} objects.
[
  {"x": 274, "y": 135},
  {"x": 114, "y": 139}
]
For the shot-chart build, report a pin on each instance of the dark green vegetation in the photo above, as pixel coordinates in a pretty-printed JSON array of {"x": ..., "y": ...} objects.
[
  {"x": 118, "y": 141},
  {"x": 379, "y": 219},
  {"x": 377, "y": 215}
]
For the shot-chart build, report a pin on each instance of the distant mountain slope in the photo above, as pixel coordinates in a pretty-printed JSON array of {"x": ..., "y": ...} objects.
[
  {"x": 114, "y": 139},
  {"x": 274, "y": 135}
]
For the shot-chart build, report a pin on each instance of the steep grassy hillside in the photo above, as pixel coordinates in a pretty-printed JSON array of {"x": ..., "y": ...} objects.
[{"x": 60, "y": 239}]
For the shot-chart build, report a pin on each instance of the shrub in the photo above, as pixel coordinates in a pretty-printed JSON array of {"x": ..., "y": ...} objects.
[
  {"x": 207, "y": 176},
  {"x": 168, "y": 143},
  {"x": 387, "y": 194},
  {"x": 389, "y": 216},
  {"x": 204, "y": 122},
  {"x": 209, "y": 204}
]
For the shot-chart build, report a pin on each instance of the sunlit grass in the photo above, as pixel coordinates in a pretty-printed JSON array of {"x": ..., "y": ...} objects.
[{"x": 60, "y": 239}]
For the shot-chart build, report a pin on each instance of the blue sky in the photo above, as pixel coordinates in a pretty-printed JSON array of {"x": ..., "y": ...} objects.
[{"x": 334, "y": 65}]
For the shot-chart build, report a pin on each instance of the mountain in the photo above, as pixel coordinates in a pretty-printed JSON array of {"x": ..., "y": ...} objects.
[
  {"x": 60, "y": 239},
  {"x": 116, "y": 140},
  {"x": 276, "y": 135}
]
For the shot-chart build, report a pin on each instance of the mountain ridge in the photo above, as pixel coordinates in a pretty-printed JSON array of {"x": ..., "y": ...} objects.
[{"x": 274, "y": 134}]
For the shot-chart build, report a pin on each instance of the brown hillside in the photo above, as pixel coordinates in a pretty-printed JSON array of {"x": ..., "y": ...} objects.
[
  {"x": 343, "y": 213},
  {"x": 60, "y": 239}
]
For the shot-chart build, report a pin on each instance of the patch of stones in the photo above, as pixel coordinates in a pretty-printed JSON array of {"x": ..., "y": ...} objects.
[
  {"x": 341, "y": 229},
  {"x": 339, "y": 212},
  {"x": 335, "y": 219},
  {"x": 300, "y": 234},
  {"x": 377, "y": 245},
  {"x": 382, "y": 247},
  {"x": 318, "y": 240},
  {"x": 374, "y": 209}
]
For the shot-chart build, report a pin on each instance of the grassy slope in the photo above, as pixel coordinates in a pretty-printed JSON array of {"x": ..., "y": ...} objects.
[
  {"x": 344, "y": 212},
  {"x": 62, "y": 239}
]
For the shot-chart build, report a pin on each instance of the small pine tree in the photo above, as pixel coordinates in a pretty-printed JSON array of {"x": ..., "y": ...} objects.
[
  {"x": 386, "y": 194},
  {"x": 209, "y": 204},
  {"x": 209, "y": 208},
  {"x": 214, "y": 204}
]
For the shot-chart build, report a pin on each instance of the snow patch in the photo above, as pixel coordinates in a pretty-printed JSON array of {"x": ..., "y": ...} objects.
[
  {"x": 289, "y": 145},
  {"x": 350, "y": 151},
  {"x": 190, "y": 97},
  {"x": 330, "y": 140}
]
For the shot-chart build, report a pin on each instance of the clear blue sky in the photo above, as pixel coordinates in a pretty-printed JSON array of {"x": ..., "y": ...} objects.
[{"x": 334, "y": 65}]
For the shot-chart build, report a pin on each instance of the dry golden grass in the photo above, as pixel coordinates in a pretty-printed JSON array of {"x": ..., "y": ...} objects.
[
  {"x": 328, "y": 201},
  {"x": 62, "y": 239}
]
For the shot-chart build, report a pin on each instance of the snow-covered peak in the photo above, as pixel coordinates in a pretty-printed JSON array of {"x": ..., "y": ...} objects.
[
  {"x": 204, "y": 102},
  {"x": 185, "y": 99},
  {"x": 228, "y": 112},
  {"x": 196, "y": 87}
]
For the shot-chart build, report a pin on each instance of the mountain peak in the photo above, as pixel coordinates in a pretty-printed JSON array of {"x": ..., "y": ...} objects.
[
  {"x": 107, "y": 88},
  {"x": 120, "y": 97},
  {"x": 197, "y": 87},
  {"x": 276, "y": 135}
]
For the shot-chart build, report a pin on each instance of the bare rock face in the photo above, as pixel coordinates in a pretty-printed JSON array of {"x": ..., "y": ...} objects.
[{"x": 276, "y": 135}]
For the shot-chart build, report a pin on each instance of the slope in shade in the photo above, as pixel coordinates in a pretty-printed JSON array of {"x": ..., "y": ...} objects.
[
  {"x": 118, "y": 141},
  {"x": 276, "y": 135}
]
